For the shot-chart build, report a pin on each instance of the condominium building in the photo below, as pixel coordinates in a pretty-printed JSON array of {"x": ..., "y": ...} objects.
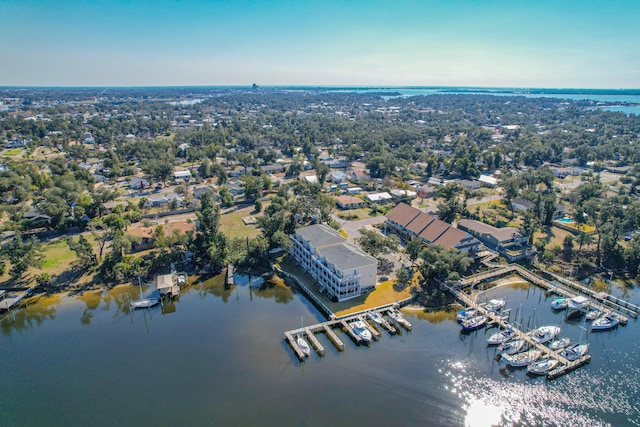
[{"x": 342, "y": 270}]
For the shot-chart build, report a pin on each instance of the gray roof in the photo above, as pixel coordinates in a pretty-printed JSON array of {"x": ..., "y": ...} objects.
[
  {"x": 346, "y": 257},
  {"x": 320, "y": 235}
]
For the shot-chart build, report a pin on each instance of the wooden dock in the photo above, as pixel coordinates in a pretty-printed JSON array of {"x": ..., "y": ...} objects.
[
  {"x": 229, "y": 280},
  {"x": 342, "y": 323}
]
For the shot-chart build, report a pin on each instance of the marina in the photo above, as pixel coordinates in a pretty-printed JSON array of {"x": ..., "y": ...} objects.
[{"x": 345, "y": 323}]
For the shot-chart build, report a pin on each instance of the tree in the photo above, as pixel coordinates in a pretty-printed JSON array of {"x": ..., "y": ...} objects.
[
  {"x": 210, "y": 244},
  {"x": 413, "y": 249},
  {"x": 257, "y": 205},
  {"x": 375, "y": 243},
  {"x": 22, "y": 255},
  {"x": 226, "y": 199},
  {"x": 83, "y": 250}
]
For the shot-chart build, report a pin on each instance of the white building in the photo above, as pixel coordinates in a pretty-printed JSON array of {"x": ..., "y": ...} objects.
[
  {"x": 342, "y": 270},
  {"x": 185, "y": 175}
]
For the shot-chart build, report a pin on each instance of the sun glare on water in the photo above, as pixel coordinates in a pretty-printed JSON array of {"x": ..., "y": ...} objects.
[{"x": 482, "y": 414}]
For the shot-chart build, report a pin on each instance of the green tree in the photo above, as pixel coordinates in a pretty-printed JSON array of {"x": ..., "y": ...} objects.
[
  {"x": 375, "y": 243},
  {"x": 210, "y": 244},
  {"x": 22, "y": 255},
  {"x": 83, "y": 250}
]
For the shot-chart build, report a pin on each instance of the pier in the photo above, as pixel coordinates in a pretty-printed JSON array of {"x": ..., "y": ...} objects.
[{"x": 342, "y": 323}]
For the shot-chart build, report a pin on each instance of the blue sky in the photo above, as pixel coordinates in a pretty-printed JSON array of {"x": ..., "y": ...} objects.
[{"x": 590, "y": 44}]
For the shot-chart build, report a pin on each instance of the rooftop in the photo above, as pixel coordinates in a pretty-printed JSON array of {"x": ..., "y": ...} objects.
[
  {"x": 320, "y": 235},
  {"x": 346, "y": 257}
]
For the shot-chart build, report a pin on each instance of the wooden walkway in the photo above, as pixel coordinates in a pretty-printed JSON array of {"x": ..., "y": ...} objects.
[
  {"x": 309, "y": 332},
  {"x": 502, "y": 321}
]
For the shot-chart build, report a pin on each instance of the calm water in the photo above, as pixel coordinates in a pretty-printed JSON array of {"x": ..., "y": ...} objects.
[{"x": 218, "y": 357}]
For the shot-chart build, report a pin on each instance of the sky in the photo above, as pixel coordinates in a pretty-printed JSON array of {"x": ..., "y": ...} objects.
[{"x": 533, "y": 43}]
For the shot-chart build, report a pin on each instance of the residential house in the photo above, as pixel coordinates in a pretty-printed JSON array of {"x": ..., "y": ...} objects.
[
  {"x": 235, "y": 188},
  {"x": 410, "y": 223},
  {"x": 508, "y": 241},
  {"x": 158, "y": 200},
  {"x": 349, "y": 202},
  {"x": 198, "y": 192},
  {"x": 488, "y": 181},
  {"x": 359, "y": 176},
  {"x": 271, "y": 169},
  {"x": 337, "y": 177},
  {"x": 183, "y": 175},
  {"x": 522, "y": 205},
  {"x": 426, "y": 191},
  {"x": 342, "y": 270},
  {"x": 401, "y": 194},
  {"x": 379, "y": 198},
  {"x": 138, "y": 183}
]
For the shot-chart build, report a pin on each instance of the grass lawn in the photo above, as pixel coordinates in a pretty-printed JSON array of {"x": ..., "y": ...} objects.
[
  {"x": 356, "y": 214},
  {"x": 58, "y": 256},
  {"x": 231, "y": 224},
  {"x": 13, "y": 152}
]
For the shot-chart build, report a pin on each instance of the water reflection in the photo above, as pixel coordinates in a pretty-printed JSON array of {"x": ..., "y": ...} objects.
[
  {"x": 92, "y": 299},
  {"x": 37, "y": 310}
]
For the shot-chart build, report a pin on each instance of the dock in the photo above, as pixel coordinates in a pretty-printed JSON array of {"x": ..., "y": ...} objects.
[
  {"x": 342, "y": 323},
  {"x": 10, "y": 300},
  {"x": 229, "y": 280}
]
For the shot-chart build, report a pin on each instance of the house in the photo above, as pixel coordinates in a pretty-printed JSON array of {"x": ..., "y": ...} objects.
[
  {"x": 379, "y": 198},
  {"x": 522, "y": 205},
  {"x": 311, "y": 179},
  {"x": 198, "y": 192},
  {"x": 469, "y": 184},
  {"x": 560, "y": 212},
  {"x": 488, "y": 181},
  {"x": 36, "y": 219},
  {"x": 349, "y": 202},
  {"x": 138, "y": 183},
  {"x": 164, "y": 199},
  {"x": 271, "y": 169},
  {"x": 235, "y": 188},
  {"x": 401, "y": 194},
  {"x": 426, "y": 191},
  {"x": 184, "y": 175},
  {"x": 337, "y": 177},
  {"x": 354, "y": 190},
  {"x": 508, "y": 241},
  {"x": 342, "y": 270},
  {"x": 410, "y": 223},
  {"x": 359, "y": 176}
]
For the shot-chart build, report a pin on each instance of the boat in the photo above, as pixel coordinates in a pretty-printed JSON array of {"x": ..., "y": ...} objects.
[
  {"x": 593, "y": 314},
  {"x": 560, "y": 343},
  {"x": 467, "y": 314},
  {"x": 511, "y": 347},
  {"x": 577, "y": 306},
  {"x": 542, "y": 366},
  {"x": 575, "y": 351},
  {"x": 522, "y": 359},
  {"x": 378, "y": 319},
  {"x": 360, "y": 329},
  {"x": 398, "y": 317},
  {"x": 501, "y": 337},
  {"x": 559, "y": 303},
  {"x": 604, "y": 323},
  {"x": 544, "y": 334},
  {"x": 495, "y": 305},
  {"x": 182, "y": 279},
  {"x": 145, "y": 302},
  {"x": 304, "y": 345},
  {"x": 474, "y": 323}
]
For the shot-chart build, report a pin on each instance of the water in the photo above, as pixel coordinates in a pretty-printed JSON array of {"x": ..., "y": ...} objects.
[
  {"x": 565, "y": 220},
  {"x": 218, "y": 357}
]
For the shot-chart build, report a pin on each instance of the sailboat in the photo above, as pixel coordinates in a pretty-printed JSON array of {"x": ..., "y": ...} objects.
[
  {"x": 302, "y": 343},
  {"x": 144, "y": 302}
]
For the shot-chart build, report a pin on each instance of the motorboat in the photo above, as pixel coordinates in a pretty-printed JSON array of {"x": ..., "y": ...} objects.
[
  {"x": 304, "y": 345},
  {"x": 511, "y": 347},
  {"x": 474, "y": 323},
  {"x": 544, "y": 334},
  {"x": 560, "y": 343},
  {"x": 604, "y": 323},
  {"x": 559, "y": 303},
  {"x": 361, "y": 330},
  {"x": 182, "y": 279},
  {"x": 542, "y": 366},
  {"x": 379, "y": 320},
  {"x": 501, "y": 337},
  {"x": 495, "y": 305},
  {"x": 575, "y": 351},
  {"x": 593, "y": 314},
  {"x": 398, "y": 317},
  {"x": 467, "y": 314},
  {"x": 145, "y": 302},
  {"x": 578, "y": 303},
  {"x": 522, "y": 359}
]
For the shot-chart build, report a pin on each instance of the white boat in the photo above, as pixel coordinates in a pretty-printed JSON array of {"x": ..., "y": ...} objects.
[
  {"x": 145, "y": 302},
  {"x": 578, "y": 303},
  {"x": 575, "y": 351},
  {"x": 360, "y": 329},
  {"x": 474, "y": 323},
  {"x": 501, "y": 337},
  {"x": 467, "y": 314},
  {"x": 522, "y": 359},
  {"x": 560, "y": 343},
  {"x": 544, "y": 334},
  {"x": 304, "y": 345},
  {"x": 398, "y": 317},
  {"x": 593, "y": 314},
  {"x": 542, "y": 366},
  {"x": 182, "y": 279},
  {"x": 378, "y": 319},
  {"x": 511, "y": 347},
  {"x": 559, "y": 303},
  {"x": 604, "y": 323},
  {"x": 495, "y": 305}
]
